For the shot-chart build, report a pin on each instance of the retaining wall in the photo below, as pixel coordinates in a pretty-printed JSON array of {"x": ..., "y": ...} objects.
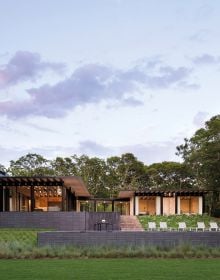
[
  {"x": 119, "y": 238},
  {"x": 71, "y": 221}
]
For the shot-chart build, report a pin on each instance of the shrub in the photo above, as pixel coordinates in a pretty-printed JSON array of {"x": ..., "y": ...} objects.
[{"x": 16, "y": 244}]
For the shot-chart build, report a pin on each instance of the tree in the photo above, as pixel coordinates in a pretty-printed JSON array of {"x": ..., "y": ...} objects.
[
  {"x": 126, "y": 172},
  {"x": 202, "y": 154},
  {"x": 30, "y": 165},
  {"x": 113, "y": 175},
  {"x": 169, "y": 175},
  {"x": 93, "y": 173},
  {"x": 64, "y": 166},
  {"x": 2, "y": 169}
]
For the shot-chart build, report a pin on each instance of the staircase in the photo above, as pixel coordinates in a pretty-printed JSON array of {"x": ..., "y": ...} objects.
[{"x": 130, "y": 223}]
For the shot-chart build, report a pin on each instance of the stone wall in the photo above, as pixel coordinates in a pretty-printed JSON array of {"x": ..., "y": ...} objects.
[{"x": 119, "y": 238}]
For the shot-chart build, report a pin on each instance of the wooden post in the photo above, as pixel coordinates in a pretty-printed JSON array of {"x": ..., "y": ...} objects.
[
  {"x": 176, "y": 204},
  {"x": 158, "y": 205},
  {"x": 63, "y": 208},
  {"x": 161, "y": 205},
  {"x": 113, "y": 205},
  {"x": 32, "y": 199},
  {"x": 136, "y": 205}
]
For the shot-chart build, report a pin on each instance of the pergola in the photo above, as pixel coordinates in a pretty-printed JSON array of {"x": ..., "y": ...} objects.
[{"x": 22, "y": 193}]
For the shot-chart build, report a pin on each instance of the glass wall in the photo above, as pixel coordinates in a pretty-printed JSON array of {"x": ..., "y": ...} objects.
[
  {"x": 147, "y": 205},
  {"x": 122, "y": 207},
  {"x": 103, "y": 206},
  {"x": 96, "y": 205},
  {"x": 48, "y": 198},
  {"x": 19, "y": 198},
  {"x": 189, "y": 205},
  {"x": 37, "y": 198},
  {"x": 87, "y": 205}
]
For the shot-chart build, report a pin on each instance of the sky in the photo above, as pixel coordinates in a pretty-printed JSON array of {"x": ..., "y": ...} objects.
[{"x": 106, "y": 77}]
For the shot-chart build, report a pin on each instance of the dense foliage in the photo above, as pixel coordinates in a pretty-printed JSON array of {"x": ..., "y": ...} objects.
[
  {"x": 201, "y": 153},
  {"x": 200, "y": 168}
]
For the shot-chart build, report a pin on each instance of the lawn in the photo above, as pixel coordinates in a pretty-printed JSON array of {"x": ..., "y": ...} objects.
[
  {"x": 172, "y": 220},
  {"x": 22, "y": 244},
  {"x": 21, "y": 236},
  {"x": 119, "y": 269}
]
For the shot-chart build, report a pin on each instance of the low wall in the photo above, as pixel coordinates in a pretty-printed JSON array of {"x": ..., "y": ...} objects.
[
  {"x": 71, "y": 221},
  {"x": 47, "y": 220},
  {"x": 94, "y": 217},
  {"x": 120, "y": 238}
]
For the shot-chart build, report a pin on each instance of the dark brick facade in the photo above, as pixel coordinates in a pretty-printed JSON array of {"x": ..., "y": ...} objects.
[
  {"x": 72, "y": 221},
  {"x": 118, "y": 238},
  {"x": 112, "y": 218}
]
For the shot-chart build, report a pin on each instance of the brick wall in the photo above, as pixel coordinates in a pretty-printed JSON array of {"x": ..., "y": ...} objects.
[
  {"x": 118, "y": 238},
  {"x": 111, "y": 217},
  {"x": 50, "y": 220},
  {"x": 73, "y": 221}
]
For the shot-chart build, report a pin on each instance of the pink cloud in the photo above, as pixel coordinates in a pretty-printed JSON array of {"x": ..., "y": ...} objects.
[
  {"x": 24, "y": 66},
  {"x": 90, "y": 84}
]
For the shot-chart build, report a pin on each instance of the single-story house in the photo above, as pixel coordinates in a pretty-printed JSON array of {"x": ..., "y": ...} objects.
[
  {"x": 148, "y": 202},
  {"x": 69, "y": 193},
  {"x": 41, "y": 193}
]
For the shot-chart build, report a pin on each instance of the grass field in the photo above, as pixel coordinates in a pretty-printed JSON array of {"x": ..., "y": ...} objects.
[
  {"x": 120, "y": 269},
  {"x": 21, "y": 236},
  {"x": 22, "y": 244},
  {"x": 172, "y": 220}
]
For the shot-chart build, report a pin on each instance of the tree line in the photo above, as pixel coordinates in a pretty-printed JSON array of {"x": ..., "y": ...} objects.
[{"x": 200, "y": 168}]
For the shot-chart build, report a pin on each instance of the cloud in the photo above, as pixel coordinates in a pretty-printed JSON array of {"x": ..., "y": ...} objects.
[
  {"x": 146, "y": 152},
  {"x": 41, "y": 128},
  {"x": 168, "y": 76},
  {"x": 199, "y": 119},
  {"x": 187, "y": 85},
  {"x": 206, "y": 59},
  {"x": 6, "y": 125},
  {"x": 153, "y": 152},
  {"x": 25, "y": 66},
  {"x": 130, "y": 101},
  {"x": 51, "y": 152},
  {"x": 204, "y": 12},
  {"x": 93, "y": 83},
  {"x": 93, "y": 148},
  {"x": 8, "y": 154},
  {"x": 200, "y": 36}
]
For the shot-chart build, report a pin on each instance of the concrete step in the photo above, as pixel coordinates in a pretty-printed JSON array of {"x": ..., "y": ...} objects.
[
  {"x": 130, "y": 223},
  {"x": 131, "y": 229}
]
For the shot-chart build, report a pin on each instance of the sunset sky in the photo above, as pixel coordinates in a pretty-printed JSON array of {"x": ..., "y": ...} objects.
[{"x": 106, "y": 77}]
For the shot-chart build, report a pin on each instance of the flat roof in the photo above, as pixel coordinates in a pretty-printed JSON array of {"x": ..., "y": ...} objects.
[
  {"x": 129, "y": 194},
  {"x": 75, "y": 184},
  {"x": 169, "y": 193},
  {"x": 126, "y": 194}
]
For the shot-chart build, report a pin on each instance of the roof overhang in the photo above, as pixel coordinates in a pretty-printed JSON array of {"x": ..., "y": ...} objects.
[
  {"x": 125, "y": 194},
  {"x": 75, "y": 184},
  {"x": 170, "y": 193},
  {"x": 30, "y": 181},
  {"x": 130, "y": 194}
]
